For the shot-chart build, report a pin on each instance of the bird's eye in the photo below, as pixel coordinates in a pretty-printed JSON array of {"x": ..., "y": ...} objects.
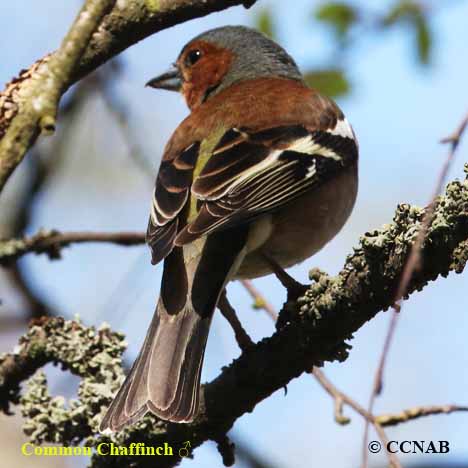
[{"x": 193, "y": 57}]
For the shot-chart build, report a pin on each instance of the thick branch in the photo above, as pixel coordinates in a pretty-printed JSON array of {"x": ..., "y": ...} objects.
[
  {"x": 310, "y": 331},
  {"x": 28, "y": 104},
  {"x": 88, "y": 353}
]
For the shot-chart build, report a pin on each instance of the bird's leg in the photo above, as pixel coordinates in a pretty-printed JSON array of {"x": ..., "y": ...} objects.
[
  {"x": 243, "y": 339},
  {"x": 293, "y": 287}
]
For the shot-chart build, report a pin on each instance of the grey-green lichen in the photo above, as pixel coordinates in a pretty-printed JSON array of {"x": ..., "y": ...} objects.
[
  {"x": 371, "y": 273},
  {"x": 459, "y": 257},
  {"x": 314, "y": 329},
  {"x": 152, "y": 5},
  {"x": 93, "y": 354},
  {"x": 11, "y": 249}
]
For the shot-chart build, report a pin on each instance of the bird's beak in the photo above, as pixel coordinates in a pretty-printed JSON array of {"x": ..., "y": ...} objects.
[{"x": 171, "y": 80}]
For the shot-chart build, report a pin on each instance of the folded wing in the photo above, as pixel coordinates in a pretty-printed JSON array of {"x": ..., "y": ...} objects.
[{"x": 251, "y": 173}]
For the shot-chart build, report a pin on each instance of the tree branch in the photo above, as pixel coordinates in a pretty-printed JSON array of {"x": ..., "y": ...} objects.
[
  {"x": 311, "y": 330},
  {"x": 411, "y": 267},
  {"x": 28, "y": 105},
  {"x": 51, "y": 243},
  {"x": 259, "y": 301},
  {"x": 340, "y": 398},
  {"x": 417, "y": 412}
]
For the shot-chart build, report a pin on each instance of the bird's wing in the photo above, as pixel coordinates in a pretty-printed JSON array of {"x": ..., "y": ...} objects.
[
  {"x": 170, "y": 195},
  {"x": 250, "y": 173}
]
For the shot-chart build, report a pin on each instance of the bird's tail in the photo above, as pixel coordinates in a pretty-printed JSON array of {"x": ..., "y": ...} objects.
[{"x": 165, "y": 377}]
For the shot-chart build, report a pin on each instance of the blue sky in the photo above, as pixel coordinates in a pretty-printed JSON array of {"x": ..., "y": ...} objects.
[{"x": 399, "y": 111}]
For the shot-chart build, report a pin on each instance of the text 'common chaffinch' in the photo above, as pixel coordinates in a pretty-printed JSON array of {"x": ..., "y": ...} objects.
[{"x": 263, "y": 172}]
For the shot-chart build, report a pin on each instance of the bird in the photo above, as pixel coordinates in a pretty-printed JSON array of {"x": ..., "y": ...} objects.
[{"x": 260, "y": 176}]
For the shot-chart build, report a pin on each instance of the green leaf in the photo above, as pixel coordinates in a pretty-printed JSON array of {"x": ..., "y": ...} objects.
[
  {"x": 424, "y": 40},
  {"x": 403, "y": 10},
  {"x": 338, "y": 15},
  {"x": 265, "y": 23},
  {"x": 332, "y": 82},
  {"x": 413, "y": 14}
]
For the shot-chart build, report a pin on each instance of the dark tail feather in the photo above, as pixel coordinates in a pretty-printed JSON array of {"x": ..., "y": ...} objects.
[{"x": 165, "y": 378}]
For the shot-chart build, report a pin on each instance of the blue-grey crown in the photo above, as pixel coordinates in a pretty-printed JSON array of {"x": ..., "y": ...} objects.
[{"x": 255, "y": 55}]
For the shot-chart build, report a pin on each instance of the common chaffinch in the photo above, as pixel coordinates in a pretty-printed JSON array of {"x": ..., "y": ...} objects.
[{"x": 260, "y": 175}]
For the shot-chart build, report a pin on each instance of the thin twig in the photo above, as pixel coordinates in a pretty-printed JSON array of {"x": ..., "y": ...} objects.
[
  {"x": 386, "y": 420},
  {"x": 412, "y": 265},
  {"x": 259, "y": 301},
  {"x": 51, "y": 242},
  {"x": 340, "y": 398},
  {"x": 338, "y": 395},
  {"x": 357, "y": 294},
  {"x": 41, "y": 166}
]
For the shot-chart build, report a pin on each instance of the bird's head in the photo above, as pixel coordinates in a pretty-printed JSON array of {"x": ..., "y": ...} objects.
[{"x": 216, "y": 59}]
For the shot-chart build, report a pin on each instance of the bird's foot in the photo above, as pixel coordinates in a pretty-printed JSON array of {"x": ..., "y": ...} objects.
[
  {"x": 293, "y": 287},
  {"x": 243, "y": 339}
]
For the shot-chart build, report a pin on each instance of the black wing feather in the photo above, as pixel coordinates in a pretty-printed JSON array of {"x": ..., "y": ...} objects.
[
  {"x": 287, "y": 177},
  {"x": 249, "y": 173},
  {"x": 170, "y": 195}
]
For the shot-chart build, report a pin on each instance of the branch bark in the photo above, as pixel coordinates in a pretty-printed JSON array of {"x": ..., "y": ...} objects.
[
  {"x": 52, "y": 242},
  {"x": 29, "y": 105},
  {"x": 412, "y": 265},
  {"x": 103, "y": 29},
  {"x": 310, "y": 331},
  {"x": 417, "y": 412}
]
